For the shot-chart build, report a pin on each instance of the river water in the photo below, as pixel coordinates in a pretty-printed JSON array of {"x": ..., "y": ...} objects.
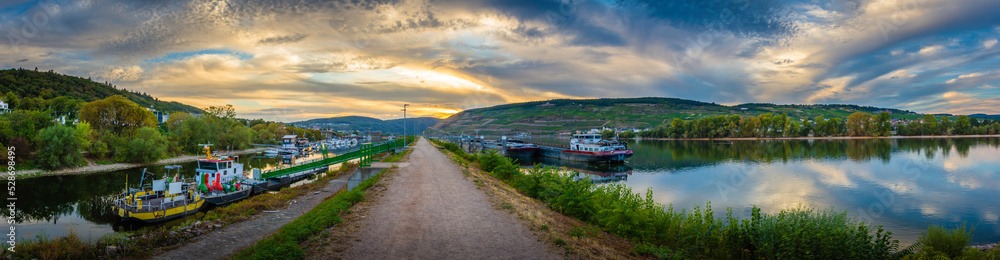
[
  {"x": 54, "y": 206},
  {"x": 902, "y": 184}
]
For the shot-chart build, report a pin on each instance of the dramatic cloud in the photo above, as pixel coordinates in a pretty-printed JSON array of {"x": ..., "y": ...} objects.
[{"x": 292, "y": 60}]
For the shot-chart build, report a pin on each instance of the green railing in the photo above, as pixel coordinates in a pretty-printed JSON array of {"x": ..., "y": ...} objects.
[{"x": 365, "y": 152}]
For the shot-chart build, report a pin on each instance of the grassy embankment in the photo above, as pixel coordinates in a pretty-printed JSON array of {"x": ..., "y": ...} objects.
[
  {"x": 143, "y": 243},
  {"x": 663, "y": 232},
  {"x": 285, "y": 243}
]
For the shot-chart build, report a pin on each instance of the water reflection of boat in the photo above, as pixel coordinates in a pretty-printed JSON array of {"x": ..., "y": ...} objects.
[
  {"x": 161, "y": 200},
  {"x": 598, "y": 173}
]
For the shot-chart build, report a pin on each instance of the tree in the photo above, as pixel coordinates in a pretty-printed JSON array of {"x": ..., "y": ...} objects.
[
  {"x": 225, "y": 112},
  {"x": 64, "y": 106},
  {"x": 945, "y": 127},
  {"x": 837, "y": 127},
  {"x": 239, "y": 137},
  {"x": 11, "y": 100},
  {"x": 59, "y": 148},
  {"x": 26, "y": 124},
  {"x": 676, "y": 128},
  {"x": 83, "y": 134},
  {"x": 930, "y": 125},
  {"x": 176, "y": 119},
  {"x": 963, "y": 126},
  {"x": 32, "y": 104},
  {"x": 194, "y": 131},
  {"x": 858, "y": 124},
  {"x": 883, "y": 123},
  {"x": 116, "y": 114},
  {"x": 820, "y": 129},
  {"x": 147, "y": 146}
]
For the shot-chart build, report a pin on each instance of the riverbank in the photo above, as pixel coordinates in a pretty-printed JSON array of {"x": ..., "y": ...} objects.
[
  {"x": 817, "y": 138},
  {"x": 664, "y": 232},
  {"x": 121, "y": 166},
  {"x": 264, "y": 211}
]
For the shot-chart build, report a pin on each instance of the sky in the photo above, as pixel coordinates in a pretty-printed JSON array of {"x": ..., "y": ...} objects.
[{"x": 302, "y": 59}]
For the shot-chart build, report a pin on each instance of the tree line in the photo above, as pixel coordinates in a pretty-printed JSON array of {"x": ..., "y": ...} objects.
[
  {"x": 856, "y": 124},
  {"x": 115, "y": 129}
]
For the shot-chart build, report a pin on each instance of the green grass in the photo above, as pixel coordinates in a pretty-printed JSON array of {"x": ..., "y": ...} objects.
[
  {"x": 285, "y": 243},
  {"x": 397, "y": 157}
]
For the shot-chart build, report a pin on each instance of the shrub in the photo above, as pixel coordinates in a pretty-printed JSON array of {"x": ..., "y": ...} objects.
[
  {"x": 950, "y": 242},
  {"x": 60, "y": 148},
  {"x": 490, "y": 161},
  {"x": 576, "y": 198},
  {"x": 147, "y": 146}
]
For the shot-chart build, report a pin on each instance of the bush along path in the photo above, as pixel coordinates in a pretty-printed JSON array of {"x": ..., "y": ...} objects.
[
  {"x": 428, "y": 210},
  {"x": 662, "y": 232}
]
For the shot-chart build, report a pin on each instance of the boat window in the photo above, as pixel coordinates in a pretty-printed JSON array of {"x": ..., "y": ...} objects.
[{"x": 207, "y": 165}]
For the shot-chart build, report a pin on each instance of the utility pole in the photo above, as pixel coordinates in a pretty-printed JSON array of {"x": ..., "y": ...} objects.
[{"x": 404, "y": 123}]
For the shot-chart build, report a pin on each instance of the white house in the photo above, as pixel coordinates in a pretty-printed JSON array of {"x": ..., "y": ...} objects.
[{"x": 3, "y": 107}]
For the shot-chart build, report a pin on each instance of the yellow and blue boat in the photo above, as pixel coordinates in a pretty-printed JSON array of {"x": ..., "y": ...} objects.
[{"x": 160, "y": 200}]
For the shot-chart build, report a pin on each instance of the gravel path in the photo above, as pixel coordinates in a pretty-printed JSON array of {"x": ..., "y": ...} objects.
[
  {"x": 229, "y": 240},
  {"x": 429, "y": 211}
]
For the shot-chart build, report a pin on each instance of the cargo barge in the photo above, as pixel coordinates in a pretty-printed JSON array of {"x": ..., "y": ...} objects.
[{"x": 588, "y": 148}]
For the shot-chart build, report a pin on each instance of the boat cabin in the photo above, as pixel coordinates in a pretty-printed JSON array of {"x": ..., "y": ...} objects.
[
  {"x": 594, "y": 143},
  {"x": 586, "y": 138},
  {"x": 222, "y": 170},
  {"x": 288, "y": 142}
]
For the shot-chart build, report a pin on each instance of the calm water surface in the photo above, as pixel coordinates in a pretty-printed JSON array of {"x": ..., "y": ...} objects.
[
  {"x": 56, "y": 205},
  {"x": 902, "y": 184}
]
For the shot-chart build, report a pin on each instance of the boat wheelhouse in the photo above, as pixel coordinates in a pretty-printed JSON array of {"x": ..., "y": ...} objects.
[
  {"x": 288, "y": 145},
  {"x": 221, "y": 179}
]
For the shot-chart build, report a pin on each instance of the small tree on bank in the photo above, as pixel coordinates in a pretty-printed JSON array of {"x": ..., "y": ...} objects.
[{"x": 59, "y": 148}]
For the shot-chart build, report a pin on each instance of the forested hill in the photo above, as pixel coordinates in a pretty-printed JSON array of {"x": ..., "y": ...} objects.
[
  {"x": 27, "y": 83},
  {"x": 577, "y": 114},
  {"x": 360, "y": 123}
]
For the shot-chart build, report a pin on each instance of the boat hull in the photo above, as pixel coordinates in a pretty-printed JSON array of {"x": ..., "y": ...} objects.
[
  {"x": 522, "y": 152},
  {"x": 159, "y": 215},
  {"x": 583, "y": 156},
  {"x": 274, "y": 184},
  {"x": 226, "y": 198}
]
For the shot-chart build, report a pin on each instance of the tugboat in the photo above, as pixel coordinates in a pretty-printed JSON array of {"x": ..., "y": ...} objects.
[
  {"x": 222, "y": 179},
  {"x": 589, "y": 148},
  {"x": 161, "y": 200}
]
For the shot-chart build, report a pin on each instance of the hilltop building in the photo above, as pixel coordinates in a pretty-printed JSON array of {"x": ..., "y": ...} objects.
[
  {"x": 160, "y": 116},
  {"x": 3, "y": 107}
]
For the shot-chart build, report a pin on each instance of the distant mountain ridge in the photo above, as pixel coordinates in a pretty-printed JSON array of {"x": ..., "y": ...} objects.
[
  {"x": 552, "y": 116},
  {"x": 361, "y": 123},
  {"x": 31, "y": 83},
  {"x": 985, "y": 116}
]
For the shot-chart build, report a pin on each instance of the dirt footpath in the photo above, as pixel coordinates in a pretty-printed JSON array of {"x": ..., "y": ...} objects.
[{"x": 429, "y": 211}]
